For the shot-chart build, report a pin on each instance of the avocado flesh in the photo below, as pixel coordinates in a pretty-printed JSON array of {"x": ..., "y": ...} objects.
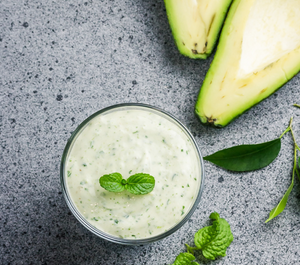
[
  {"x": 196, "y": 24},
  {"x": 259, "y": 51}
]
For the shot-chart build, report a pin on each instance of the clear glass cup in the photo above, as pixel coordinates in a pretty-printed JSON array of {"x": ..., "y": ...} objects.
[{"x": 78, "y": 215}]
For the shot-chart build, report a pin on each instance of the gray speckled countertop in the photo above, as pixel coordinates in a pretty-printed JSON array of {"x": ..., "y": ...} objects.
[{"x": 63, "y": 60}]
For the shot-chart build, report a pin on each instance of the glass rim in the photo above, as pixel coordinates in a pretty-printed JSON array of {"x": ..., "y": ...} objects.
[{"x": 97, "y": 231}]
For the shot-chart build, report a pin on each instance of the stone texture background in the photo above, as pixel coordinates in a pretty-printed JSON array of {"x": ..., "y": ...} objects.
[{"x": 63, "y": 60}]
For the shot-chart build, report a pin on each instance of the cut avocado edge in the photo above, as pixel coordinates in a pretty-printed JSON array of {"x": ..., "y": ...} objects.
[
  {"x": 185, "y": 30},
  {"x": 270, "y": 79},
  {"x": 213, "y": 122}
]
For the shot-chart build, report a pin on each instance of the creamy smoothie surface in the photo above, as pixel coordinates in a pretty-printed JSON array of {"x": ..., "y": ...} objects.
[{"x": 132, "y": 141}]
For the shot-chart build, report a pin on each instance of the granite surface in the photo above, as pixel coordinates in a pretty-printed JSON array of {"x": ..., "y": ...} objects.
[{"x": 63, "y": 60}]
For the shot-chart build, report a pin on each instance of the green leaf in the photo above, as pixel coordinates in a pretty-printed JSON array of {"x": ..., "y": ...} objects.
[
  {"x": 137, "y": 184},
  {"x": 281, "y": 205},
  {"x": 214, "y": 240},
  {"x": 185, "y": 259},
  {"x": 214, "y": 216},
  {"x": 246, "y": 157},
  {"x": 140, "y": 184},
  {"x": 112, "y": 182}
]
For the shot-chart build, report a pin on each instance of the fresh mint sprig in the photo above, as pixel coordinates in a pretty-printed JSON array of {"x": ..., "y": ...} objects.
[
  {"x": 212, "y": 240},
  {"x": 138, "y": 184}
]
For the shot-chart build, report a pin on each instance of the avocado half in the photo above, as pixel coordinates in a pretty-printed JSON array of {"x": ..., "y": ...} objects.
[
  {"x": 196, "y": 24},
  {"x": 258, "y": 52}
]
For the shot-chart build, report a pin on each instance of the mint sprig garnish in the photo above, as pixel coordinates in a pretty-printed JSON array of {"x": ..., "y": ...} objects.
[
  {"x": 138, "y": 184},
  {"x": 212, "y": 240}
]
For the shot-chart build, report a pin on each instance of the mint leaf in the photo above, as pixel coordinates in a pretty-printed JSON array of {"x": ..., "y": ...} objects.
[
  {"x": 185, "y": 259},
  {"x": 112, "y": 182},
  {"x": 246, "y": 157},
  {"x": 140, "y": 184},
  {"x": 214, "y": 240}
]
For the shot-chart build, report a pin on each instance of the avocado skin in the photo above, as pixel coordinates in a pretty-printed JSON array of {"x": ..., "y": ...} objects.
[
  {"x": 213, "y": 121},
  {"x": 213, "y": 38}
]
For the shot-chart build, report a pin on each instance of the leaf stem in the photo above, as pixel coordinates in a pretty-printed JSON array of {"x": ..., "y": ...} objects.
[
  {"x": 291, "y": 121},
  {"x": 287, "y": 129},
  {"x": 295, "y": 152},
  {"x": 190, "y": 249},
  {"x": 297, "y": 172},
  {"x": 295, "y": 162},
  {"x": 297, "y": 105},
  {"x": 296, "y": 146}
]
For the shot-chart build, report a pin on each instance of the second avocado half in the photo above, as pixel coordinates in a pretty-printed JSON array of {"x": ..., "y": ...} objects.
[{"x": 196, "y": 24}]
